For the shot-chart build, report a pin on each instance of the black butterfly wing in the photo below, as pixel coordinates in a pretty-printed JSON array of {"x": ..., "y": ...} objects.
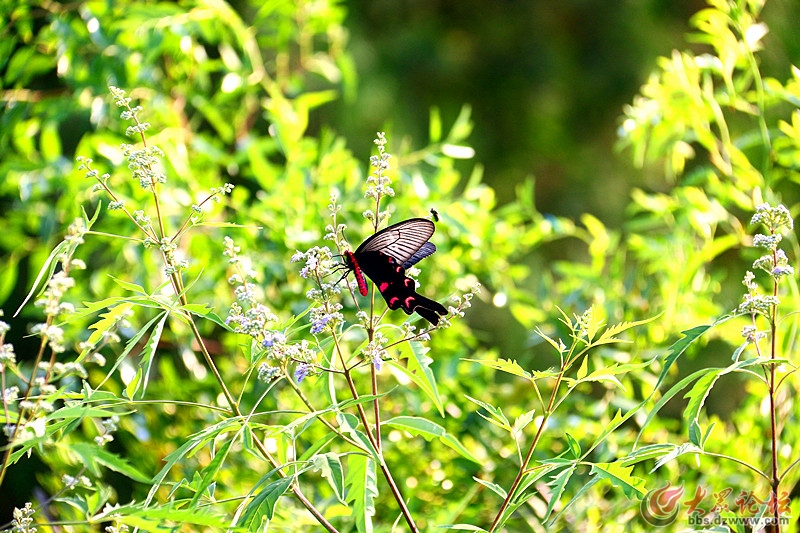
[
  {"x": 397, "y": 289},
  {"x": 406, "y": 241}
]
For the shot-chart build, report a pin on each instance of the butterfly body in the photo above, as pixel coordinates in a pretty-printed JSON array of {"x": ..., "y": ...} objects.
[
  {"x": 352, "y": 264},
  {"x": 386, "y": 255}
]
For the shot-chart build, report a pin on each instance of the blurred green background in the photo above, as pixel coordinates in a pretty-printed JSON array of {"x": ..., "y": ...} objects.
[{"x": 546, "y": 81}]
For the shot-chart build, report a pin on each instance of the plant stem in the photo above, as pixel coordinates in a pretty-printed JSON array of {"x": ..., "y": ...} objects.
[
  {"x": 773, "y": 422},
  {"x": 524, "y": 465},
  {"x": 375, "y": 442}
]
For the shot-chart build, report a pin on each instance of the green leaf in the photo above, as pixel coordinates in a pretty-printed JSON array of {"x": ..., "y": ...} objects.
[
  {"x": 677, "y": 451},
  {"x": 45, "y": 273},
  {"x": 93, "y": 457},
  {"x": 128, "y": 286},
  {"x": 362, "y": 488},
  {"x": 695, "y": 433},
  {"x": 609, "y": 335},
  {"x": 194, "y": 443},
  {"x": 584, "y": 368},
  {"x": 523, "y": 420},
  {"x": 148, "y": 354},
  {"x": 504, "y": 365},
  {"x": 318, "y": 445},
  {"x": 434, "y": 125},
  {"x": 494, "y": 487},
  {"x": 132, "y": 343},
  {"x": 646, "y": 453},
  {"x": 620, "y": 476},
  {"x": 263, "y": 505},
  {"x": 558, "y": 484},
  {"x": 419, "y": 371},
  {"x": 162, "y": 517},
  {"x": 575, "y": 498},
  {"x": 104, "y": 325},
  {"x": 595, "y": 317},
  {"x": 331, "y": 469},
  {"x": 430, "y": 430},
  {"x": 558, "y": 346},
  {"x": 209, "y": 473},
  {"x": 680, "y": 346},
  {"x": 574, "y": 446},
  {"x": 498, "y": 418},
  {"x": 608, "y": 374}
]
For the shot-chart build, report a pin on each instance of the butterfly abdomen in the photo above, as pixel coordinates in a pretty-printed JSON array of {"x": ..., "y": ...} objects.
[{"x": 352, "y": 264}]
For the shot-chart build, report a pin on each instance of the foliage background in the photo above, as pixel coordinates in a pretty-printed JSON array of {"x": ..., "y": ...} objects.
[{"x": 283, "y": 100}]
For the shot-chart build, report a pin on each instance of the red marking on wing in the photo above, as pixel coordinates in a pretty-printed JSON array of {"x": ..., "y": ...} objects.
[{"x": 397, "y": 289}]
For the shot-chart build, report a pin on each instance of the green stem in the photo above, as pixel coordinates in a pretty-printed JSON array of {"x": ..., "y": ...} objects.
[
  {"x": 524, "y": 465},
  {"x": 772, "y": 408},
  {"x": 375, "y": 443}
]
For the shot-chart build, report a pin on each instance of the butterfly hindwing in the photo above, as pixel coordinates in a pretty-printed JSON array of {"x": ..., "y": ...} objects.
[
  {"x": 397, "y": 289},
  {"x": 427, "y": 249}
]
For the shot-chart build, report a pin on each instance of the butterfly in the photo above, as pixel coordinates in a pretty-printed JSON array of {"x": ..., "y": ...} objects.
[{"x": 384, "y": 258}]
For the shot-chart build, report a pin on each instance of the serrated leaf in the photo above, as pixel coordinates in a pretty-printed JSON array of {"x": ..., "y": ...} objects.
[
  {"x": 609, "y": 334},
  {"x": 330, "y": 467},
  {"x": 558, "y": 484},
  {"x": 494, "y": 487},
  {"x": 596, "y": 321},
  {"x": 504, "y": 365},
  {"x": 263, "y": 504},
  {"x": 620, "y": 476},
  {"x": 209, "y": 472},
  {"x": 103, "y": 326},
  {"x": 419, "y": 371},
  {"x": 498, "y": 418},
  {"x": 362, "y": 488},
  {"x": 523, "y": 420},
  {"x": 699, "y": 392}
]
